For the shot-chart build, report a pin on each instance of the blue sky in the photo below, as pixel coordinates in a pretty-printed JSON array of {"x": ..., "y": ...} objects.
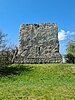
[{"x": 16, "y": 12}]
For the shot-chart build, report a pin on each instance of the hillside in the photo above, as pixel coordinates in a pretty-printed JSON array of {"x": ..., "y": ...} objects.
[{"x": 38, "y": 82}]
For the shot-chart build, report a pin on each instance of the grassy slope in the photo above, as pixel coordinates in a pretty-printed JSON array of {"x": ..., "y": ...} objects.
[{"x": 39, "y": 82}]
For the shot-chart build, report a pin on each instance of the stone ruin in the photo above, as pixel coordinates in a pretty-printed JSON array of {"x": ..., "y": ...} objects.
[{"x": 38, "y": 43}]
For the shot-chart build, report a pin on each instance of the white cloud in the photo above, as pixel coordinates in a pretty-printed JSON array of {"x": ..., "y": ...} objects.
[
  {"x": 62, "y": 35},
  {"x": 73, "y": 33}
]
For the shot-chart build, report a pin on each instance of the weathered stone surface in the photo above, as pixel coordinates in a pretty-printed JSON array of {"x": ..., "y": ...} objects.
[{"x": 38, "y": 43}]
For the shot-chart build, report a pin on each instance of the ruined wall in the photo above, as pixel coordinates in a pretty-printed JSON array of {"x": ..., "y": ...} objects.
[{"x": 38, "y": 43}]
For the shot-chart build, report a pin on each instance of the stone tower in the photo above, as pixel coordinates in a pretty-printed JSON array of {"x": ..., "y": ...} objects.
[{"x": 38, "y": 43}]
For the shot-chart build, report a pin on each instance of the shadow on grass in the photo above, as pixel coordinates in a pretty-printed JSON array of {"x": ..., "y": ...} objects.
[{"x": 14, "y": 70}]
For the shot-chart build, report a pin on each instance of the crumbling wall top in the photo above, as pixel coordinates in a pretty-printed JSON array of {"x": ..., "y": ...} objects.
[{"x": 49, "y": 25}]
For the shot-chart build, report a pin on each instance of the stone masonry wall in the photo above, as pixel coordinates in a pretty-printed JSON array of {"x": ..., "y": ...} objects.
[{"x": 38, "y": 43}]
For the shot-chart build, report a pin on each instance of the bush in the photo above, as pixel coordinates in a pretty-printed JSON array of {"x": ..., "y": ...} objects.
[
  {"x": 4, "y": 61},
  {"x": 69, "y": 58}
]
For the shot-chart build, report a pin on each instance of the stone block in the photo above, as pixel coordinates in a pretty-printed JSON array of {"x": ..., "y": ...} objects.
[{"x": 38, "y": 43}]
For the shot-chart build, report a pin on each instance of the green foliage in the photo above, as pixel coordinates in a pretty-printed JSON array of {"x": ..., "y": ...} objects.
[
  {"x": 2, "y": 41},
  {"x": 4, "y": 52},
  {"x": 71, "y": 47},
  {"x": 69, "y": 58},
  {"x": 38, "y": 82},
  {"x": 70, "y": 52},
  {"x": 4, "y": 59}
]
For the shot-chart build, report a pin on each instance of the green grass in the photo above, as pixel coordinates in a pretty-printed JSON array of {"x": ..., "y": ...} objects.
[{"x": 38, "y": 82}]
